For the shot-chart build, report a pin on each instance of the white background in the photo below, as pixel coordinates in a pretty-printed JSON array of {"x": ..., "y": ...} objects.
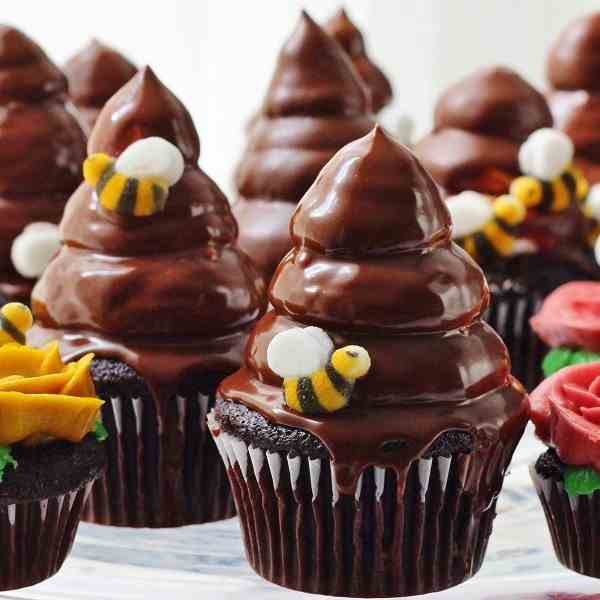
[{"x": 218, "y": 55}]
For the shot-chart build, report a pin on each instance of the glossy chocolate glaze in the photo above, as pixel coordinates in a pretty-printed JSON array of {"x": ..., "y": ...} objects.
[
  {"x": 479, "y": 124},
  {"x": 352, "y": 41},
  {"x": 41, "y": 147},
  {"x": 316, "y": 103},
  {"x": 573, "y": 71},
  {"x": 168, "y": 294},
  {"x": 373, "y": 264},
  {"x": 95, "y": 73}
]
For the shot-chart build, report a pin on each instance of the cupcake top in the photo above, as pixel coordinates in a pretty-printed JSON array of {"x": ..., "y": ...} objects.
[
  {"x": 374, "y": 267},
  {"x": 95, "y": 73},
  {"x": 573, "y": 71},
  {"x": 479, "y": 124},
  {"x": 149, "y": 271},
  {"x": 315, "y": 104},
  {"x": 41, "y": 144},
  {"x": 352, "y": 41}
]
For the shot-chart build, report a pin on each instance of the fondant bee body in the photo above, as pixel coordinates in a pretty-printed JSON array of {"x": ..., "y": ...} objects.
[{"x": 15, "y": 321}]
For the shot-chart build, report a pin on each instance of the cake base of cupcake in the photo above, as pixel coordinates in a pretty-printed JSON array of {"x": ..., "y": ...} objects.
[
  {"x": 163, "y": 467},
  {"x": 399, "y": 535}
]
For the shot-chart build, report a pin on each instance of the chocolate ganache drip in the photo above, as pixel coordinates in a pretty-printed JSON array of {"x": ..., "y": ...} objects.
[
  {"x": 315, "y": 104},
  {"x": 573, "y": 70},
  {"x": 41, "y": 147},
  {"x": 95, "y": 73},
  {"x": 479, "y": 124},
  {"x": 352, "y": 41},
  {"x": 373, "y": 264},
  {"x": 166, "y": 293}
]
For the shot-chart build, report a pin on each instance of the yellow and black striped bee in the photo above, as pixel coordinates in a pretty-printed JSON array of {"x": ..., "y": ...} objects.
[
  {"x": 316, "y": 380},
  {"x": 486, "y": 228},
  {"x": 15, "y": 321}
]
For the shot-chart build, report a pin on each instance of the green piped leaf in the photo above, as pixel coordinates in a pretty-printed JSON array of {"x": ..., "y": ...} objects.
[
  {"x": 561, "y": 357},
  {"x": 6, "y": 460},
  {"x": 100, "y": 431},
  {"x": 581, "y": 481}
]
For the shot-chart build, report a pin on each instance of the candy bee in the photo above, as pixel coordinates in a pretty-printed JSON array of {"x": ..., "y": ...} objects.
[
  {"x": 15, "y": 321},
  {"x": 137, "y": 182},
  {"x": 316, "y": 379}
]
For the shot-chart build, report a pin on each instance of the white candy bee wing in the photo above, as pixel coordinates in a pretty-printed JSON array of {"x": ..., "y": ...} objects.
[
  {"x": 34, "y": 247},
  {"x": 297, "y": 352},
  {"x": 592, "y": 202},
  {"x": 469, "y": 212},
  {"x": 546, "y": 153},
  {"x": 597, "y": 250},
  {"x": 151, "y": 157}
]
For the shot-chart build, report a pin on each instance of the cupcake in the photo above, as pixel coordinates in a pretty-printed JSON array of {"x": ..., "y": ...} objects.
[
  {"x": 573, "y": 72},
  {"x": 95, "y": 73},
  {"x": 150, "y": 279},
  {"x": 479, "y": 124},
  {"x": 564, "y": 410},
  {"x": 367, "y": 434},
  {"x": 50, "y": 451},
  {"x": 42, "y": 147},
  {"x": 347, "y": 34},
  {"x": 315, "y": 104}
]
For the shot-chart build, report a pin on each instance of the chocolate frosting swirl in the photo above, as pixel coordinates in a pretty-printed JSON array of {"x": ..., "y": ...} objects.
[
  {"x": 374, "y": 265},
  {"x": 573, "y": 71},
  {"x": 95, "y": 73},
  {"x": 172, "y": 287},
  {"x": 315, "y": 104},
  {"x": 352, "y": 41},
  {"x": 479, "y": 124},
  {"x": 41, "y": 147}
]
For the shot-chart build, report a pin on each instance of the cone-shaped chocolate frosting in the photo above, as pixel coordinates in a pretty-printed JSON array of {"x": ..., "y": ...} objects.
[
  {"x": 573, "y": 71},
  {"x": 41, "y": 147},
  {"x": 352, "y": 41},
  {"x": 165, "y": 293},
  {"x": 479, "y": 124},
  {"x": 315, "y": 104},
  {"x": 95, "y": 73},
  {"x": 373, "y": 264}
]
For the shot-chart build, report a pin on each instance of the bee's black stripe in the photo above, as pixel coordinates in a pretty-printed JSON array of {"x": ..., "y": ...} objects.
[
  {"x": 570, "y": 182},
  {"x": 547, "y": 196},
  {"x": 126, "y": 205},
  {"x": 9, "y": 327},
  {"x": 485, "y": 249},
  {"x": 341, "y": 384},
  {"x": 506, "y": 227},
  {"x": 105, "y": 178},
  {"x": 158, "y": 197},
  {"x": 309, "y": 403}
]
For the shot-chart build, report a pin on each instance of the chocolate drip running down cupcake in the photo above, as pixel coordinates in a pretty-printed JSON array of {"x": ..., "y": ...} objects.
[
  {"x": 315, "y": 104},
  {"x": 352, "y": 41},
  {"x": 479, "y": 124},
  {"x": 164, "y": 301},
  {"x": 429, "y": 431},
  {"x": 95, "y": 73},
  {"x": 41, "y": 150},
  {"x": 573, "y": 71}
]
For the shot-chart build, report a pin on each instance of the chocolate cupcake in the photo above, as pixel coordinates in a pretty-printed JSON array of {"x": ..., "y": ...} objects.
[
  {"x": 150, "y": 279},
  {"x": 95, "y": 73},
  {"x": 371, "y": 470},
  {"x": 315, "y": 104},
  {"x": 564, "y": 409},
  {"x": 573, "y": 72},
  {"x": 41, "y": 150},
  {"x": 347, "y": 34},
  {"x": 50, "y": 451}
]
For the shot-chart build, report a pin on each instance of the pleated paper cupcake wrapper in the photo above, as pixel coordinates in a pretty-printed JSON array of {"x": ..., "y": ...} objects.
[
  {"x": 392, "y": 538},
  {"x": 574, "y": 523},
  {"x": 509, "y": 315},
  {"x": 163, "y": 469},
  {"x": 37, "y": 536}
]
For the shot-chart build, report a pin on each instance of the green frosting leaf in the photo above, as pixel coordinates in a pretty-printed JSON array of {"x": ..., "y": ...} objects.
[
  {"x": 6, "y": 460},
  {"x": 581, "y": 481},
  {"x": 100, "y": 431},
  {"x": 561, "y": 357}
]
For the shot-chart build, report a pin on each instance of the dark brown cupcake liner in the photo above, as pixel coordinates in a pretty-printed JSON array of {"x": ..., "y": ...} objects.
[
  {"x": 509, "y": 314},
  {"x": 163, "y": 469},
  {"x": 574, "y": 523},
  {"x": 37, "y": 536},
  {"x": 395, "y": 537}
]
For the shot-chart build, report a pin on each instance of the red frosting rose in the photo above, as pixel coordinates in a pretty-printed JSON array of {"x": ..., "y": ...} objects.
[
  {"x": 570, "y": 316},
  {"x": 565, "y": 410}
]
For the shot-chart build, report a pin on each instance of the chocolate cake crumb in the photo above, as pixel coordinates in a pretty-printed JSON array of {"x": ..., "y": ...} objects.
[
  {"x": 111, "y": 376},
  {"x": 549, "y": 466}
]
